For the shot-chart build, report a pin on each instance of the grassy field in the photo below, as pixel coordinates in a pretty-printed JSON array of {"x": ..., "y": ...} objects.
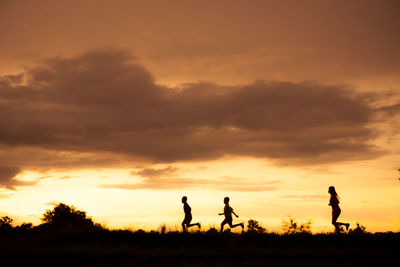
[
  {"x": 126, "y": 248},
  {"x": 67, "y": 237}
]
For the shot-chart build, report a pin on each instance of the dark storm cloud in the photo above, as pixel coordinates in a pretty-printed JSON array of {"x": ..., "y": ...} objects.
[{"x": 103, "y": 102}]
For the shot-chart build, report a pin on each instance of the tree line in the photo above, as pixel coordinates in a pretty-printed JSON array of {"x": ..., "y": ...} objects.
[{"x": 67, "y": 218}]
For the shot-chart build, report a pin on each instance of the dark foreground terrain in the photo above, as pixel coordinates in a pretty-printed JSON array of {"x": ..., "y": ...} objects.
[{"x": 125, "y": 248}]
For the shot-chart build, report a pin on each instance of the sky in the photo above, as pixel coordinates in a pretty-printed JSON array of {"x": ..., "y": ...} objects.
[{"x": 121, "y": 108}]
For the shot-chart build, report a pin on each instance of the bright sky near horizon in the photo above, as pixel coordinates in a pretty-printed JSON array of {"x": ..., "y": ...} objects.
[{"x": 121, "y": 108}]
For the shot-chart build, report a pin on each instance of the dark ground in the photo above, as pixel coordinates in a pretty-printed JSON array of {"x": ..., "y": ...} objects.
[{"x": 125, "y": 248}]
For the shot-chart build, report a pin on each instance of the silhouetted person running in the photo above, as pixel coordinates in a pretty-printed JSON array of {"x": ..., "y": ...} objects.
[
  {"x": 334, "y": 203},
  {"x": 228, "y": 216},
  {"x": 188, "y": 216}
]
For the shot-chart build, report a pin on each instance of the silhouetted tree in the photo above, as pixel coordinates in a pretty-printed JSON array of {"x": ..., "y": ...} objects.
[
  {"x": 254, "y": 227},
  {"x": 64, "y": 216},
  {"x": 6, "y": 223}
]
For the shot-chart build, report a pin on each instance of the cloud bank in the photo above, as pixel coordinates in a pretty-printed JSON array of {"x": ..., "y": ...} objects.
[{"x": 103, "y": 103}]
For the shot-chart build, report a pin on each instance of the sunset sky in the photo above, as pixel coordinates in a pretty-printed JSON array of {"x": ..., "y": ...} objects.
[{"x": 120, "y": 108}]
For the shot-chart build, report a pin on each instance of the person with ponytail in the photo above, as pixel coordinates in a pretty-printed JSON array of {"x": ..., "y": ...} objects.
[{"x": 334, "y": 203}]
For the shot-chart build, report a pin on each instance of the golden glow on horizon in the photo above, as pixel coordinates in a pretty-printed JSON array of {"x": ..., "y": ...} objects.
[{"x": 300, "y": 193}]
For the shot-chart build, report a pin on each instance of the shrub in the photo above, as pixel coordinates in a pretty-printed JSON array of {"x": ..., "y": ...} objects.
[
  {"x": 212, "y": 231},
  {"x": 292, "y": 227},
  {"x": 359, "y": 230},
  {"x": 163, "y": 229},
  {"x": 227, "y": 231},
  {"x": 24, "y": 227},
  {"x": 254, "y": 227},
  {"x": 6, "y": 223}
]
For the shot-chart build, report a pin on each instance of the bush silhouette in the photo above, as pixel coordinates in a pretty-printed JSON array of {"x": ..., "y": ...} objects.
[
  {"x": 24, "y": 227},
  {"x": 292, "y": 227},
  {"x": 64, "y": 216},
  {"x": 227, "y": 231},
  {"x": 254, "y": 227},
  {"x": 212, "y": 231},
  {"x": 6, "y": 223},
  {"x": 163, "y": 229},
  {"x": 359, "y": 230}
]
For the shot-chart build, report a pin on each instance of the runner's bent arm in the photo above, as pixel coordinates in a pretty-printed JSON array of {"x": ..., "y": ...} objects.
[{"x": 237, "y": 216}]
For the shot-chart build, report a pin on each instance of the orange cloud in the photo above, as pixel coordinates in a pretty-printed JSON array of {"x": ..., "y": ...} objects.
[
  {"x": 169, "y": 178},
  {"x": 8, "y": 180}
]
